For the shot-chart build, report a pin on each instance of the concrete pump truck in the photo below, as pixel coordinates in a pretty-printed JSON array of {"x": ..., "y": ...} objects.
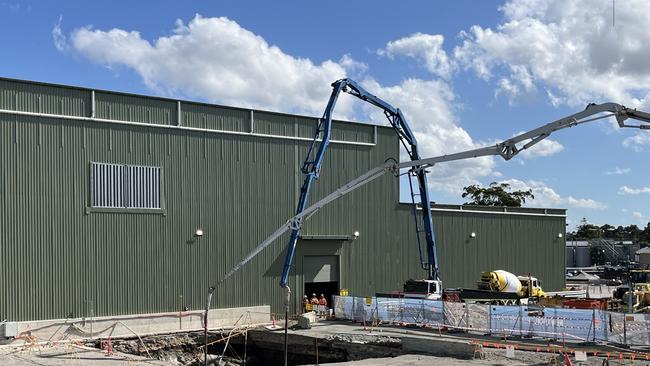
[
  {"x": 490, "y": 287},
  {"x": 416, "y": 169}
]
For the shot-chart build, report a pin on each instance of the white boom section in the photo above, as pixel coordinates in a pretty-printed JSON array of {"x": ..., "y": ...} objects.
[
  {"x": 506, "y": 149},
  {"x": 296, "y": 221}
]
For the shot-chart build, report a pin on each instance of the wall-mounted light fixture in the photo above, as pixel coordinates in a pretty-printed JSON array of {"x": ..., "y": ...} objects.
[
  {"x": 356, "y": 235},
  {"x": 559, "y": 235},
  {"x": 198, "y": 233},
  {"x": 472, "y": 235}
]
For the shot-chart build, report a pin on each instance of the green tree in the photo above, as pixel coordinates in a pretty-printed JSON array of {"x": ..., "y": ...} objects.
[
  {"x": 588, "y": 231},
  {"x": 619, "y": 232},
  {"x": 497, "y": 194},
  {"x": 633, "y": 232},
  {"x": 608, "y": 231},
  {"x": 585, "y": 231},
  {"x": 646, "y": 234}
]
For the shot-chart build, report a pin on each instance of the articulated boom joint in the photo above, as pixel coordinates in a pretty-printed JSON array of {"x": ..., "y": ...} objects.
[
  {"x": 626, "y": 113},
  {"x": 508, "y": 149},
  {"x": 295, "y": 223},
  {"x": 393, "y": 168}
]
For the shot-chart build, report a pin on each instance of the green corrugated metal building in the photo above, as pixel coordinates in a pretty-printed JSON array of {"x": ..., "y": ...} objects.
[{"x": 101, "y": 194}]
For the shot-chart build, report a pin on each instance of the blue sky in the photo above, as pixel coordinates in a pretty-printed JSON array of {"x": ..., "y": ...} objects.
[{"x": 465, "y": 73}]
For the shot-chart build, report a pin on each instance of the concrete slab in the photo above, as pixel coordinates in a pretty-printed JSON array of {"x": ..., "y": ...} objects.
[
  {"x": 415, "y": 360},
  {"x": 438, "y": 348},
  {"x": 54, "y": 330}
]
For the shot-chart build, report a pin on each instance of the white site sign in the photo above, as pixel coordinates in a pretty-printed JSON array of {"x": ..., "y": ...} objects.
[{"x": 581, "y": 355}]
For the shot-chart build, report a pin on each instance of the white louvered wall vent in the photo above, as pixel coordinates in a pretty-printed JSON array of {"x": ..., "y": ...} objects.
[{"x": 124, "y": 186}]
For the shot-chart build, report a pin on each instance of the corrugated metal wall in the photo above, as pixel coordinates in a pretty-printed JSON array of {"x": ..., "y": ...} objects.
[{"x": 58, "y": 257}]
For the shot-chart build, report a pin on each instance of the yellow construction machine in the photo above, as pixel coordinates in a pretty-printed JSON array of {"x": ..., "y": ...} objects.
[
  {"x": 640, "y": 297},
  {"x": 504, "y": 281}
]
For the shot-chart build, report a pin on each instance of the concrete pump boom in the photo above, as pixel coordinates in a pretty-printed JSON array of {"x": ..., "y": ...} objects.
[
  {"x": 312, "y": 165},
  {"x": 506, "y": 149}
]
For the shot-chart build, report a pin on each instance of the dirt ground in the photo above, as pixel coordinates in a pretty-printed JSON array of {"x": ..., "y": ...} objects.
[{"x": 67, "y": 354}]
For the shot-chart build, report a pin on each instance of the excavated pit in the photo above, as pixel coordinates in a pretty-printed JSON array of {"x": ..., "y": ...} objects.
[{"x": 258, "y": 347}]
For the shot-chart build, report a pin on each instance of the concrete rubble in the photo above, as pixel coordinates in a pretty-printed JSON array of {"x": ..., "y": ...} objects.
[{"x": 307, "y": 319}]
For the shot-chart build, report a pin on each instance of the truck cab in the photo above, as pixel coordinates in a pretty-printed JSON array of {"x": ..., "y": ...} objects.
[
  {"x": 638, "y": 298},
  {"x": 642, "y": 287},
  {"x": 534, "y": 284},
  {"x": 423, "y": 289}
]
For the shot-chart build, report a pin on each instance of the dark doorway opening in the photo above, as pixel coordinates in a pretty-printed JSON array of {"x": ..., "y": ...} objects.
[{"x": 329, "y": 289}]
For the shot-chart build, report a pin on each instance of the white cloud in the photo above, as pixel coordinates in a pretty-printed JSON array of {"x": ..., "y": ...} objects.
[
  {"x": 641, "y": 218},
  {"x": 638, "y": 142},
  {"x": 428, "y": 107},
  {"x": 217, "y": 59},
  {"x": 546, "y": 196},
  {"x": 60, "y": 42},
  {"x": 426, "y": 48},
  {"x": 618, "y": 171},
  {"x": 628, "y": 190},
  {"x": 546, "y": 147},
  {"x": 569, "y": 49},
  {"x": 520, "y": 83},
  {"x": 354, "y": 68},
  {"x": 15, "y": 7}
]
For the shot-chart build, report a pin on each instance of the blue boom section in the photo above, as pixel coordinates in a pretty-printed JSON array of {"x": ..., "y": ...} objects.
[{"x": 311, "y": 169}]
